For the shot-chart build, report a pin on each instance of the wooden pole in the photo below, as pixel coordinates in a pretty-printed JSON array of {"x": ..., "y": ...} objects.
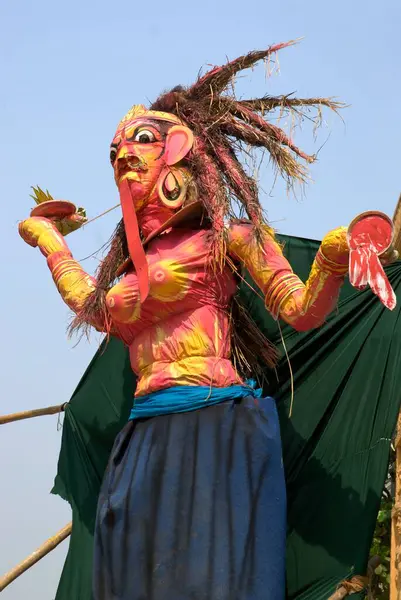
[
  {"x": 35, "y": 557},
  {"x": 395, "y": 556},
  {"x": 339, "y": 594},
  {"x": 355, "y": 584},
  {"x": 397, "y": 226},
  {"x": 395, "y": 552},
  {"x": 30, "y": 414}
]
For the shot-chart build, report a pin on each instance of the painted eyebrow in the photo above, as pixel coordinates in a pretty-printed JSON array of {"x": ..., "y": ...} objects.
[
  {"x": 143, "y": 123},
  {"x": 146, "y": 122}
]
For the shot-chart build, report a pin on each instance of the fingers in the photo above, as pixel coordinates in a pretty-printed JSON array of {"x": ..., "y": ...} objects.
[
  {"x": 30, "y": 230},
  {"x": 26, "y": 235}
]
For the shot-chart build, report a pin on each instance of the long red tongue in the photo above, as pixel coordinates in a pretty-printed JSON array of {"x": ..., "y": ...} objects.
[
  {"x": 135, "y": 247},
  {"x": 365, "y": 268}
]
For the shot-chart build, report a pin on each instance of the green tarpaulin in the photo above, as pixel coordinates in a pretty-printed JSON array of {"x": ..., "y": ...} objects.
[{"x": 347, "y": 378}]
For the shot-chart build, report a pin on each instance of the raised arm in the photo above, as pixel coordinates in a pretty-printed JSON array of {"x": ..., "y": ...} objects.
[
  {"x": 303, "y": 305},
  {"x": 73, "y": 283}
]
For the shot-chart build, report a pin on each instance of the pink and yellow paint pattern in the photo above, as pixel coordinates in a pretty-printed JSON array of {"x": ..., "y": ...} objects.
[{"x": 180, "y": 334}]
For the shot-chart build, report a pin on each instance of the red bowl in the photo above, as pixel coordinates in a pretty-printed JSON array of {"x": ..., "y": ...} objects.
[
  {"x": 54, "y": 209},
  {"x": 372, "y": 228}
]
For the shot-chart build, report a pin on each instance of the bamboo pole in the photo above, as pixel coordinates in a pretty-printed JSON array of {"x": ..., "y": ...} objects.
[
  {"x": 397, "y": 226},
  {"x": 395, "y": 552},
  {"x": 356, "y": 584},
  {"x": 35, "y": 557},
  {"x": 339, "y": 594},
  {"x": 395, "y": 556},
  {"x": 30, "y": 414}
]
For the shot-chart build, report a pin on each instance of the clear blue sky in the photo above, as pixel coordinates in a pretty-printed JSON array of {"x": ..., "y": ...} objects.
[{"x": 69, "y": 72}]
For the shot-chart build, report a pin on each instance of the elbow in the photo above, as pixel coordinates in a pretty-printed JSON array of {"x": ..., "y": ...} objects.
[
  {"x": 303, "y": 318},
  {"x": 306, "y": 323}
]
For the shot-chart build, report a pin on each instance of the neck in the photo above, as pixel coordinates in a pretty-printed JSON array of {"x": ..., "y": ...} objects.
[{"x": 153, "y": 216}]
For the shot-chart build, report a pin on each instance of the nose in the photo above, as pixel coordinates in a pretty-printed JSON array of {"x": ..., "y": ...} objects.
[
  {"x": 123, "y": 151},
  {"x": 127, "y": 161},
  {"x": 126, "y": 157}
]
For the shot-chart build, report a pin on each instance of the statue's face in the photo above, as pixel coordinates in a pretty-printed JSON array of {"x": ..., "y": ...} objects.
[
  {"x": 143, "y": 148},
  {"x": 136, "y": 154}
]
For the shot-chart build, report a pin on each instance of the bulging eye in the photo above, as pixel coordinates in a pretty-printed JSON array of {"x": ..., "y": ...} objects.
[
  {"x": 113, "y": 155},
  {"x": 145, "y": 136}
]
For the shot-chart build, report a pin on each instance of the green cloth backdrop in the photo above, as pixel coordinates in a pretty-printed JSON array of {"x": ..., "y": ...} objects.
[{"x": 347, "y": 378}]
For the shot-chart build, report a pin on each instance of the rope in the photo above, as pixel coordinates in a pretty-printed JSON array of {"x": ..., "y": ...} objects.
[
  {"x": 101, "y": 215},
  {"x": 91, "y": 221},
  {"x": 290, "y": 369},
  {"x": 355, "y": 585}
]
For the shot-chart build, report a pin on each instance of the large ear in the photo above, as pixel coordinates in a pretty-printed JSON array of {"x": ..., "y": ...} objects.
[{"x": 179, "y": 142}]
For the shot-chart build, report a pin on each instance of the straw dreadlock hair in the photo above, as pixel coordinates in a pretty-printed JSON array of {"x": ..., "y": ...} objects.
[{"x": 224, "y": 126}]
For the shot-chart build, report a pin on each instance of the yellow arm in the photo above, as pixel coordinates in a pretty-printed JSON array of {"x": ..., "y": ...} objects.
[
  {"x": 303, "y": 305},
  {"x": 72, "y": 282}
]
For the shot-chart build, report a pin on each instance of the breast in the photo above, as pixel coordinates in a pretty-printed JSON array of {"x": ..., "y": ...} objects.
[
  {"x": 179, "y": 281},
  {"x": 123, "y": 301}
]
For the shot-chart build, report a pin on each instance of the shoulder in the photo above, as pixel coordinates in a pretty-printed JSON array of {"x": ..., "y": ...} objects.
[{"x": 242, "y": 231}]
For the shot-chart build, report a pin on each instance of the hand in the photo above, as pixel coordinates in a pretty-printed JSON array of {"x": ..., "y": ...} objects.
[
  {"x": 335, "y": 246},
  {"x": 53, "y": 210},
  {"x": 42, "y": 232},
  {"x": 70, "y": 224},
  {"x": 31, "y": 229},
  {"x": 336, "y": 249},
  {"x": 34, "y": 227}
]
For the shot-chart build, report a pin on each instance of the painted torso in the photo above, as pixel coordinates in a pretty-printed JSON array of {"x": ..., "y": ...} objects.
[
  {"x": 178, "y": 153},
  {"x": 180, "y": 335}
]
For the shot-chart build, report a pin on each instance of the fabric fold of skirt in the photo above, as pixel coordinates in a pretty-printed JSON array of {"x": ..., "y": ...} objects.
[{"x": 193, "y": 506}]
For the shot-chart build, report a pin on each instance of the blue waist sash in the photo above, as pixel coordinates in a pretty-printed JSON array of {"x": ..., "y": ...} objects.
[{"x": 189, "y": 397}]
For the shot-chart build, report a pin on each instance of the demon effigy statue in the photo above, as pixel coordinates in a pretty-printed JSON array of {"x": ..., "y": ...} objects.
[{"x": 193, "y": 502}]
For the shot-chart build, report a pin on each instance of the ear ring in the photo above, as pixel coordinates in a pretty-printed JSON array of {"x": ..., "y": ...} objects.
[{"x": 172, "y": 187}]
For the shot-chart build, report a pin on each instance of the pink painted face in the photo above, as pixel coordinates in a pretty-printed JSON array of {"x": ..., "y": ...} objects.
[
  {"x": 145, "y": 144},
  {"x": 145, "y": 149},
  {"x": 136, "y": 154}
]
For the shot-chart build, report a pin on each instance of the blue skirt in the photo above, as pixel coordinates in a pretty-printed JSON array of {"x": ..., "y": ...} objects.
[{"x": 193, "y": 506}]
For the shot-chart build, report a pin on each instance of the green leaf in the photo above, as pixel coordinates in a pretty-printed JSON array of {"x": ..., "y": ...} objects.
[
  {"x": 40, "y": 196},
  {"x": 384, "y": 515}
]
